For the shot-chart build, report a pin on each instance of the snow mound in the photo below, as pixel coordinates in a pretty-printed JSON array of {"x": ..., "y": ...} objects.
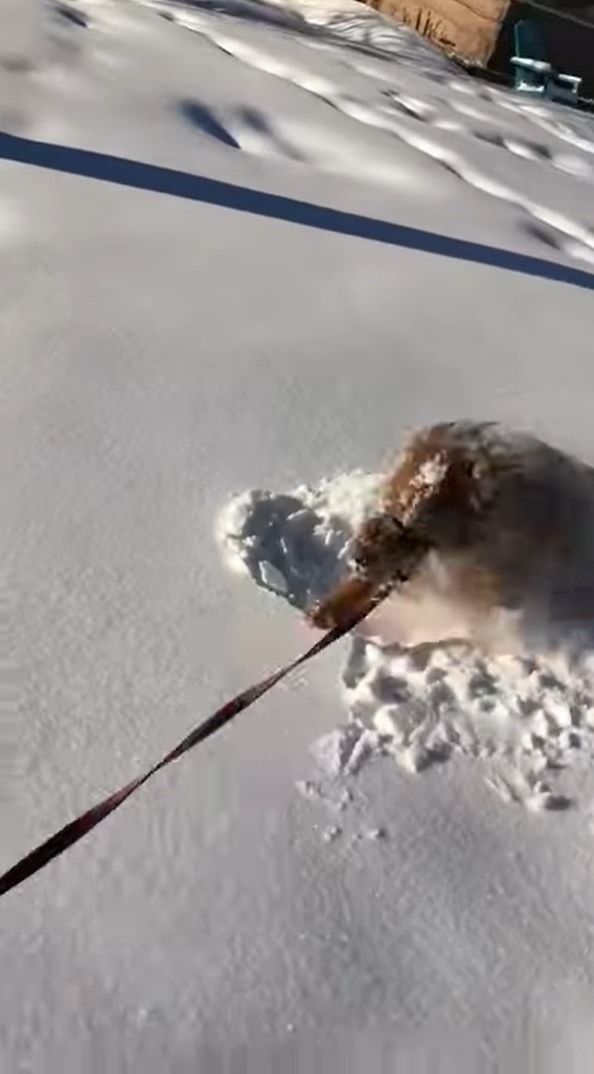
[
  {"x": 525, "y": 718},
  {"x": 297, "y": 544}
]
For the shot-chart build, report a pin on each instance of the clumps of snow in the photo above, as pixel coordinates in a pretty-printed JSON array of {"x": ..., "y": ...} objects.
[
  {"x": 308, "y": 789},
  {"x": 375, "y": 834},
  {"x": 331, "y": 833},
  {"x": 297, "y": 544},
  {"x": 339, "y": 813},
  {"x": 342, "y": 752},
  {"x": 524, "y": 718}
]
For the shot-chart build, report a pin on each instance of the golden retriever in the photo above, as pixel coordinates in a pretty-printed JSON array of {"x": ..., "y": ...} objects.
[{"x": 482, "y": 534}]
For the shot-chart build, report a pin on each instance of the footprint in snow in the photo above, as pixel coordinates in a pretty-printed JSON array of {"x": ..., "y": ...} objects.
[
  {"x": 524, "y": 719},
  {"x": 69, "y": 14},
  {"x": 203, "y": 119}
]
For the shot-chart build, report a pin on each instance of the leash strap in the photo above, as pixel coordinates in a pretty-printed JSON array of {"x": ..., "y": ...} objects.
[{"x": 76, "y": 829}]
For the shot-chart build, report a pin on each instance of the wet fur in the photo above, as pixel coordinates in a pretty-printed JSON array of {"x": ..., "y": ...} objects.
[{"x": 480, "y": 532}]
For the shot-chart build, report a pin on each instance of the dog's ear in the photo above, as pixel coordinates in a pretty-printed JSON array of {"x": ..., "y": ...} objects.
[
  {"x": 418, "y": 476},
  {"x": 440, "y": 487}
]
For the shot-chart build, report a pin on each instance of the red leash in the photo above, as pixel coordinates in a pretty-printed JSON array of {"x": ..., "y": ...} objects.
[{"x": 71, "y": 833}]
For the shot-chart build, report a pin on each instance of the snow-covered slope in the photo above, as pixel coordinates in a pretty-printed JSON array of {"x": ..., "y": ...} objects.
[{"x": 244, "y": 250}]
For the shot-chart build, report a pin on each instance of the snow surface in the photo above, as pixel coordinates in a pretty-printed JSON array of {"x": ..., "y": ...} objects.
[
  {"x": 247, "y": 247},
  {"x": 528, "y": 713}
]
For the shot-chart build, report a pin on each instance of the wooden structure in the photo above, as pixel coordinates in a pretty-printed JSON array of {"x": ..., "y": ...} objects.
[{"x": 481, "y": 31}]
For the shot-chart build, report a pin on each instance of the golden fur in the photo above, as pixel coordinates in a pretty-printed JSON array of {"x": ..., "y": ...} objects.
[{"x": 474, "y": 523}]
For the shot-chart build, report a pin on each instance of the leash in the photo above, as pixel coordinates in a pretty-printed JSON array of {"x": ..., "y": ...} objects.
[{"x": 76, "y": 829}]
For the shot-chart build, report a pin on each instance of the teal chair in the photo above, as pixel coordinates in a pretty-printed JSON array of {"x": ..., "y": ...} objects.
[{"x": 533, "y": 73}]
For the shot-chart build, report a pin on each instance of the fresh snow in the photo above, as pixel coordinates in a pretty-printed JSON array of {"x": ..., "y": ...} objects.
[
  {"x": 529, "y": 716},
  {"x": 244, "y": 246}
]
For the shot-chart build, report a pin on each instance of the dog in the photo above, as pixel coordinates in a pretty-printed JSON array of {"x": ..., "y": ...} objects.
[{"x": 482, "y": 534}]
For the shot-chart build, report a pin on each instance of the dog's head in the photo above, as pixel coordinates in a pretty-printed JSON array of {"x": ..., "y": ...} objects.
[
  {"x": 435, "y": 498},
  {"x": 385, "y": 553}
]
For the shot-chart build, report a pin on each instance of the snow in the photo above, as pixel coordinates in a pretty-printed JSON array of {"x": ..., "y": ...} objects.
[
  {"x": 526, "y": 714},
  {"x": 244, "y": 249}
]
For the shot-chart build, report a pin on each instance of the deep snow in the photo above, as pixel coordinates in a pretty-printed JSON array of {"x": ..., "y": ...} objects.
[{"x": 270, "y": 248}]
